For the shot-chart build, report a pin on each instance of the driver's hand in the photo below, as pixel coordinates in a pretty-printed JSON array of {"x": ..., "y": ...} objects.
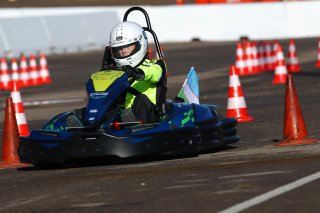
[{"x": 136, "y": 74}]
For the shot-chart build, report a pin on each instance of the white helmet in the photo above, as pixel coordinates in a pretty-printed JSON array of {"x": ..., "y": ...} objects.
[{"x": 126, "y": 34}]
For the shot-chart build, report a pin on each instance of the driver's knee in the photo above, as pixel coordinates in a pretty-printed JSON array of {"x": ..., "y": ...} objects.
[{"x": 144, "y": 109}]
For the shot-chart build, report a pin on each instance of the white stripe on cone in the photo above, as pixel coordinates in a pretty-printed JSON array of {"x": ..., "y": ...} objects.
[
  {"x": 270, "y": 57},
  {"x": 240, "y": 64},
  {"x": 255, "y": 55},
  {"x": 261, "y": 59},
  {"x": 33, "y": 68},
  {"x": 280, "y": 56},
  {"x": 281, "y": 70},
  {"x": 20, "y": 115},
  {"x": 236, "y": 103},
  {"x": 5, "y": 79},
  {"x": 24, "y": 76},
  {"x": 14, "y": 70},
  {"x": 44, "y": 72},
  {"x": 292, "y": 48},
  {"x": 234, "y": 81},
  {"x": 16, "y": 97},
  {"x": 293, "y": 60},
  {"x": 249, "y": 60},
  {"x": 21, "y": 118},
  {"x": 4, "y": 74}
]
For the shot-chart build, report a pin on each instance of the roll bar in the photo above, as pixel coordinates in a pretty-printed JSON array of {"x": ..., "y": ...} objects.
[{"x": 148, "y": 28}]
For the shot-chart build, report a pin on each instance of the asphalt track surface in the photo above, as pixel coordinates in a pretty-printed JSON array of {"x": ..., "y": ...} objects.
[{"x": 251, "y": 176}]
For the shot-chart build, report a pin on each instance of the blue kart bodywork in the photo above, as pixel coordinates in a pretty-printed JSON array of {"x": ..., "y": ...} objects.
[{"x": 184, "y": 128}]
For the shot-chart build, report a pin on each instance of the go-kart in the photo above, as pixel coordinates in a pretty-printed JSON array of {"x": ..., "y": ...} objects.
[{"x": 100, "y": 130}]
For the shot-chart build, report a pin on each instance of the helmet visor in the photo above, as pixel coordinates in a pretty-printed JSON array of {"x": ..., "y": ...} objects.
[{"x": 125, "y": 51}]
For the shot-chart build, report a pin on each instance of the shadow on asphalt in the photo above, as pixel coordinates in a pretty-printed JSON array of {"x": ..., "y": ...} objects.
[
  {"x": 313, "y": 73},
  {"x": 112, "y": 161}
]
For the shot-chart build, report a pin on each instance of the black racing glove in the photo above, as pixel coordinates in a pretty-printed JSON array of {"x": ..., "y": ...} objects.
[{"x": 136, "y": 74}]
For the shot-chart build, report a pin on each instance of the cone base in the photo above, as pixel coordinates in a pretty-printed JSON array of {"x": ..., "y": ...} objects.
[
  {"x": 241, "y": 114},
  {"x": 294, "y": 69},
  {"x": 35, "y": 83},
  {"x": 256, "y": 70},
  {"x": 46, "y": 81},
  {"x": 280, "y": 80},
  {"x": 4, "y": 165},
  {"x": 296, "y": 142},
  {"x": 270, "y": 68},
  {"x": 246, "y": 119},
  {"x": 242, "y": 73},
  {"x": 25, "y": 83}
]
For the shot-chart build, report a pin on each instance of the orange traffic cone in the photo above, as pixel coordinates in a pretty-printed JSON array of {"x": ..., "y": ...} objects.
[
  {"x": 294, "y": 132},
  {"x": 240, "y": 61},
  {"x": 249, "y": 58},
  {"x": 180, "y": 2},
  {"x": 269, "y": 57},
  {"x": 261, "y": 57},
  {"x": 24, "y": 73},
  {"x": 10, "y": 138},
  {"x": 150, "y": 53},
  {"x": 254, "y": 50},
  {"x": 44, "y": 71},
  {"x": 202, "y": 1},
  {"x": 236, "y": 104},
  {"x": 292, "y": 63},
  {"x": 14, "y": 71},
  {"x": 4, "y": 75},
  {"x": 34, "y": 74},
  {"x": 318, "y": 62},
  {"x": 274, "y": 53},
  {"x": 280, "y": 74},
  {"x": 19, "y": 110}
]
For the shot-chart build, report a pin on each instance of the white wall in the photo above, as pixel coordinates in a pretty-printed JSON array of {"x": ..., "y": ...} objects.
[{"x": 58, "y": 30}]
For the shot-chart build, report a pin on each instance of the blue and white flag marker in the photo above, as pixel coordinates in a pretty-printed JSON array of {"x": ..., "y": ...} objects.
[{"x": 190, "y": 88}]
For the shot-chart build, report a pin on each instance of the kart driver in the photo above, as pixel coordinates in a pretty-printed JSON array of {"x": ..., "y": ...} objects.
[{"x": 129, "y": 49}]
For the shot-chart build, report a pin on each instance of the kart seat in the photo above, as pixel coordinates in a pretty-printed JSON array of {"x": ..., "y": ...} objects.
[{"x": 162, "y": 89}]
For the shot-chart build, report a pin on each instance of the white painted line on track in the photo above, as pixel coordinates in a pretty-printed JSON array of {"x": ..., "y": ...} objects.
[
  {"x": 254, "y": 174},
  {"x": 191, "y": 181},
  {"x": 232, "y": 191},
  {"x": 135, "y": 165},
  {"x": 21, "y": 202},
  {"x": 184, "y": 186},
  {"x": 238, "y": 180},
  {"x": 88, "y": 205},
  {"x": 50, "y": 102},
  {"x": 232, "y": 162},
  {"x": 271, "y": 194}
]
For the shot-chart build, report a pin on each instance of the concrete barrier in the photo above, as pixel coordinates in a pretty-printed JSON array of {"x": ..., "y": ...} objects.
[
  {"x": 55, "y": 33},
  {"x": 57, "y": 30}
]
